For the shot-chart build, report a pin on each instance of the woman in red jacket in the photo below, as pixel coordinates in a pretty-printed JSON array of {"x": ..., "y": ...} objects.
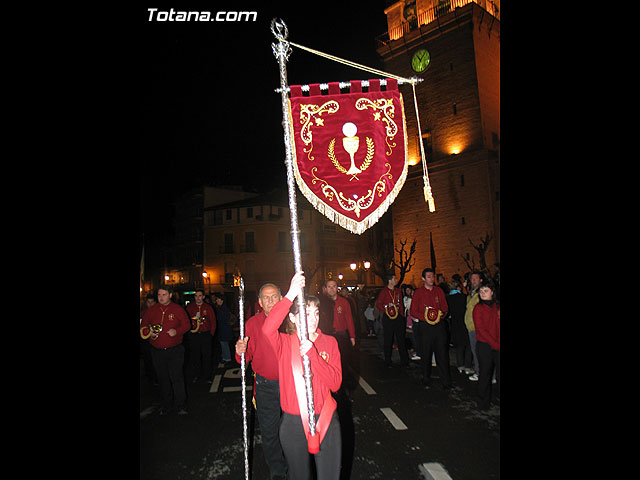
[
  {"x": 486, "y": 319},
  {"x": 324, "y": 360}
]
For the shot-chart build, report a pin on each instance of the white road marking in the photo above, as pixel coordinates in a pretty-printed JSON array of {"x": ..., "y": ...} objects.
[
  {"x": 147, "y": 411},
  {"x": 394, "y": 419},
  {"x": 232, "y": 373},
  {"x": 434, "y": 471},
  {"x": 216, "y": 384},
  {"x": 366, "y": 387}
]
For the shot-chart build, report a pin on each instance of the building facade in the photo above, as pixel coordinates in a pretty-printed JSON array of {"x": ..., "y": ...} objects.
[
  {"x": 253, "y": 236},
  {"x": 454, "y": 47}
]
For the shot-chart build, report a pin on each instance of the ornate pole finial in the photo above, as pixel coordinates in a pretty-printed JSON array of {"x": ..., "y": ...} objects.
[
  {"x": 281, "y": 28},
  {"x": 282, "y": 49}
]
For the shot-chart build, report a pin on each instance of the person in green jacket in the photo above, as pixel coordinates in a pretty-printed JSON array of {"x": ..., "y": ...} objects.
[{"x": 476, "y": 279}]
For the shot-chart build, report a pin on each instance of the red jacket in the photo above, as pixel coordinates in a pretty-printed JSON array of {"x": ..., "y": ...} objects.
[
  {"x": 424, "y": 297},
  {"x": 387, "y": 296},
  {"x": 174, "y": 317},
  {"x": 342, "y": 319},
  {"x": 486, "y": 319},
  {"x": 207, "y": 316},
  {"x": 324, "y": 360},
  {"x": 259, "y": 351}
]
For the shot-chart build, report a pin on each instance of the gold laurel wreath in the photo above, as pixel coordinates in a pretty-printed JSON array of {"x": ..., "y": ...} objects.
[{"x": 365, "y": 164}]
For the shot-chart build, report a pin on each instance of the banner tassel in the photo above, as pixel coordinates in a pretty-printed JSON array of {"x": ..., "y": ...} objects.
[{"x": 428, "y": 195}]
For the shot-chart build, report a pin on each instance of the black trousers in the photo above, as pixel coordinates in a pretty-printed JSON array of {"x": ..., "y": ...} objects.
[
  {"x": 397, "y": 328},
  {"x": 200, "y": 354},
  {"x": 294, "y": 444},
  {"x": 169, "y": 365},
  {"x": 488, "y": 360},
  {"x": 346, "y": 351},
  {"x": 268, "y": 413},
  {"x": 434, "y": 341}
]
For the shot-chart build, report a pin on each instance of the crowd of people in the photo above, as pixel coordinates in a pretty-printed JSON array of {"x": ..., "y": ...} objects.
[{"x": 421, "y": 322}]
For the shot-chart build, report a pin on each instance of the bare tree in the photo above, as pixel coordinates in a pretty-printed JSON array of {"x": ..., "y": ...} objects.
[
  {"x": 383, "y": 265},
  {"x": 404, "y": 259},
  {"x": 481, "y": 248}
]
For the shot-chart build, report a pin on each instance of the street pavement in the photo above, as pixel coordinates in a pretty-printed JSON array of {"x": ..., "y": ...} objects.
[{"x": 392, "y": 428}]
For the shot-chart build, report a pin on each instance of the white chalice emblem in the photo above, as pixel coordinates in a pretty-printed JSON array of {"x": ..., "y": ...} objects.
[{"x": 351, "y": 142}]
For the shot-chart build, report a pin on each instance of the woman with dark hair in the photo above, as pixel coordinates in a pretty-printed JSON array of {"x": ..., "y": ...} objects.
[
  {"x": 486, "y": 319},
  {"x": 324, "y": 360}
]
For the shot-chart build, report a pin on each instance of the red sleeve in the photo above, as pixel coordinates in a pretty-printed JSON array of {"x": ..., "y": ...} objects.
[
  {"x": 145, "y": 318},
  {"x": 249, "y": 331},
  {"x": 417, "y": 305},
  {"x": 328, "y": 372},
  {"x": 443, "y": 300},
  {"x": 379, "y": 302},
  {"x": 211, "y": 315},
  {"x": 349, "y": 317},
  {"x": 185, "y": 323}
]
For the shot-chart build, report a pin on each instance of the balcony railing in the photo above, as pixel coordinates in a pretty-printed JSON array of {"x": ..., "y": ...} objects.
[{"x": 431, "y": 15}]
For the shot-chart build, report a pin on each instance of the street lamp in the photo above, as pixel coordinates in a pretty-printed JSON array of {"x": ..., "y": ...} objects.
[
  {"x": 364, "y": 265},
  {"x": 205, "y": 275}
]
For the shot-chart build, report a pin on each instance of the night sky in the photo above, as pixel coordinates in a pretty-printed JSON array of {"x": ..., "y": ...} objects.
[{"x": 206, "y": 106}]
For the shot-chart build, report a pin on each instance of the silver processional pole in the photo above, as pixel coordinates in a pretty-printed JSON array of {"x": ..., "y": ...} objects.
[
  {"x": 240, "y": 283},
  {"x": 281, "y": 50}
]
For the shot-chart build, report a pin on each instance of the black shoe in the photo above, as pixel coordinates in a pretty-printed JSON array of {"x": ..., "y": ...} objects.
[
  {"x": 182, "y": 411},
  {"x": 426, "y": 383}
]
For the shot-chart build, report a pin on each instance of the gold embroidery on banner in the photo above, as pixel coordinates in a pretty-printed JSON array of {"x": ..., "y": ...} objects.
[
  {"x": 307, "y": 115},
  {"x": 328, "y": 208},
  {"x": 388, "y": 109},
  {"x": 348, "y": 204},
  {"x": 365, "y": 163}
]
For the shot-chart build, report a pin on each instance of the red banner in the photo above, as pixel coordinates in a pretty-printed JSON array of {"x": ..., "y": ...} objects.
[{"x": 350, "y": 150}]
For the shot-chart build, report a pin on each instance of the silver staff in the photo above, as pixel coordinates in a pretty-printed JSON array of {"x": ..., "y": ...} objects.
[
  {"x": 240, "y": 283},
  {"x": 281, "y": 50}
]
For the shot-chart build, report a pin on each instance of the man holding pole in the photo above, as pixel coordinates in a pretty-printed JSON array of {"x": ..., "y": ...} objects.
[{"x": 264, "y": 363}]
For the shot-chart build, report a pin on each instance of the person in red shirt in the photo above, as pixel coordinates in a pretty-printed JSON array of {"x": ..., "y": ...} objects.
[
  {"x": 170, "y": 322},
  {"x": 486, "y": 319},
  {"x": 264, "y": 364},
  {"x": 324, "y": 360},
  {"x": 429, "y": 306},
  {"x": 393, "y": 322},
  {"x": 343, "y": 330},
  {"x": 203, "y": 327}
]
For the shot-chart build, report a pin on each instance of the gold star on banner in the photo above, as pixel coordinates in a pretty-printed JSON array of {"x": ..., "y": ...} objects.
[
  {"x": 376, "y": 116},
  {"x": 319, "y": 122}
]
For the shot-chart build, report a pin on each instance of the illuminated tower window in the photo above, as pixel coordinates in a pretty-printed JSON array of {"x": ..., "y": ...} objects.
[{"x": 426, "y": 143}]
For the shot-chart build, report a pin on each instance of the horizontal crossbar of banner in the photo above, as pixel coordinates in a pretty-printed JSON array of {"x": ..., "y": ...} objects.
[{"x": 365, "y": 83}]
